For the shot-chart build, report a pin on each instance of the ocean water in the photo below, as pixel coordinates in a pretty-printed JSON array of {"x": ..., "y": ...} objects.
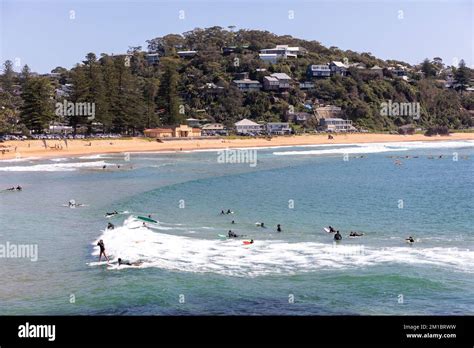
[{"x": 387, "y": 191}]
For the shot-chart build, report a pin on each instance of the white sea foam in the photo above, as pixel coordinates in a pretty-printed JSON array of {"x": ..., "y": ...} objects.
[
  {"x": 264, "y": 257},
  {"x": 55, "y": 167},
  {"x": 381, "y": 147}
]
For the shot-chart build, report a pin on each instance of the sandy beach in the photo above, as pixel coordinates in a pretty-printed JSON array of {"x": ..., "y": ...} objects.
[{"x": 58, "y": 148}]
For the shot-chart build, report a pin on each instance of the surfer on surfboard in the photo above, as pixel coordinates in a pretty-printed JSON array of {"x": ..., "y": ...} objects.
[{"x": 102, "y": 250}]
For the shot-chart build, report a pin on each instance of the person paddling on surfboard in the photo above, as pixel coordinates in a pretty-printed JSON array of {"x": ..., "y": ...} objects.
[
  {"x": 121, "y": 262},
  {"x": 228, "y": 211},
  {"x": 102, "y": 250},
  {"x": 331, "y": 229},
  {"x": 355, "y": 234},
  {"x": 410, "y": 240}
]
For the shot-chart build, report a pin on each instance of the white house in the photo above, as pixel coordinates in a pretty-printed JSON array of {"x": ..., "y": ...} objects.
[
  {"x": 246, "y": 126},
  {"x": 285, "y": 51},
  {"x": 269, "y": 57},
  {"x": 185, "y": 54},
  {"x": 278, "y": 128},
  {"x": 336, "y": 125}
]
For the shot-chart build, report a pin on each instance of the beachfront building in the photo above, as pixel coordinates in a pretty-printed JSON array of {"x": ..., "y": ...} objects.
[
  {"x": 318, "y": 71},
  {"x": 181, "y": 131},
  {"x": 213, "y": 129},
  {"x": 248, "y": 85},
  {"x": 248, "y": 127},
  {"x": 336, "y": 125},
  {"x": 279, "y": 128},
  {"x": 193, "y": 122}
]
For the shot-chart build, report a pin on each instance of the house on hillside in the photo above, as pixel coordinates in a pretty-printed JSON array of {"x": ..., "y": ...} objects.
[
  {"x": 318, "y": 71},
  {"x": 247, "y": 127},
  {"x": 248, "y": 85},
  {"x": 306, "y": 85},
  {"x": 271, "y": 83},
  {"x": 152, "y": 58},
  {"x": 211, "y": 88},
  {"x": 328, "y": 111},
  {"x": 285, "y": 51},
  {"x": 284, "y": 81},
  {"x": 186, "y": 54},
  {"x": 299, "y": 117},
  {"x": 338, "y": 68},
  {"x": 271, "y": 58}
]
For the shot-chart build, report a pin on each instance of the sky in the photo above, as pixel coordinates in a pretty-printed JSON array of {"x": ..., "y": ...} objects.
[{"x": 48, "y": 33}]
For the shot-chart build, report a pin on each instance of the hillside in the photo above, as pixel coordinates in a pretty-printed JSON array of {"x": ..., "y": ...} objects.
[{"x": 191, "y": 76}]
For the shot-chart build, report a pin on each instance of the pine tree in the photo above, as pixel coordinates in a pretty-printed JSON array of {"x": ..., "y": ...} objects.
[
  {"x": 37, "y": 108},
  {"x": 168, "y": 98},
  {"x": 462, "y": 75}
]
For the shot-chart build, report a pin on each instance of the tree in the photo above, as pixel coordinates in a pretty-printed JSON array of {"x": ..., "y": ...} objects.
[
  {"x": 8, "y": 77},
  {"x": 462, "y": 76},
  {"x": 428, "y": 69},
  {"x": 37, "y": 108},
  {"x": 168, "y": 98}
]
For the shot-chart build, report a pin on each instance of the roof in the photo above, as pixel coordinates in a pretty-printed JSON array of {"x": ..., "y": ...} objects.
[
  {"x": 270, "y": 78},
  {"x": 246, "y": 122},
  {"x": 339, "y": 64},
  {"x": 213, "y": 126},
  {"x": 375, "y": 67},
  {"x": 319, "y": 67},
  {"x": 278, "y": 123},
  {"x": 246, "y": 81},
  {"x": 159, "y": 130},
  {"x": 281, "y": 76}
]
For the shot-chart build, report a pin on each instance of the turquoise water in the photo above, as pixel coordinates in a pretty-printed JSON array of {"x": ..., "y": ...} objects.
[{"x": 188, "y": 269}]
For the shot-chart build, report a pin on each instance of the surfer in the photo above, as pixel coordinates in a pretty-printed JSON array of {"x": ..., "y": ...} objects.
[
  {"x": 355, "y": 234},
  {"x": 102, "y": 250},
  {"x": 18, "y": 188},
  {"x": 110, "y": 226},
  {"x": 262, "y": 225},
  {"x": 233, "y": 222},
  {"x": 72, "y": 203},
  {"x": 231, "y": 234},
  {"x": 278, "y": 228},
  {"x": 331, "y": 229},
  {"x": 222, "y": 212},
  {"x": 11, "y": 189},
  {"x": 251, "y": 241},
  {"x": 228, "y": 211},
  {"x": 121, "y": 262},
  {"x": 410, "y": 240},
  {"x": 337, "y": 236}
]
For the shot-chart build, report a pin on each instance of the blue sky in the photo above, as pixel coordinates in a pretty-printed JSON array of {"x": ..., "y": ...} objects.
[{"x": 42, "y": 34}]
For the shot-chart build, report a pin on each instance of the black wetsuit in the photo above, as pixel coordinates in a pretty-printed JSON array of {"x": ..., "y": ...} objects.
[
  {"x": 102, "y": 247},
  {"x": 337, "y": 236}
]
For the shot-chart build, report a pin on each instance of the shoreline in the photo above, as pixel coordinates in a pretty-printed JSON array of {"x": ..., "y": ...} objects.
[{"x": 79, "y": 147}]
